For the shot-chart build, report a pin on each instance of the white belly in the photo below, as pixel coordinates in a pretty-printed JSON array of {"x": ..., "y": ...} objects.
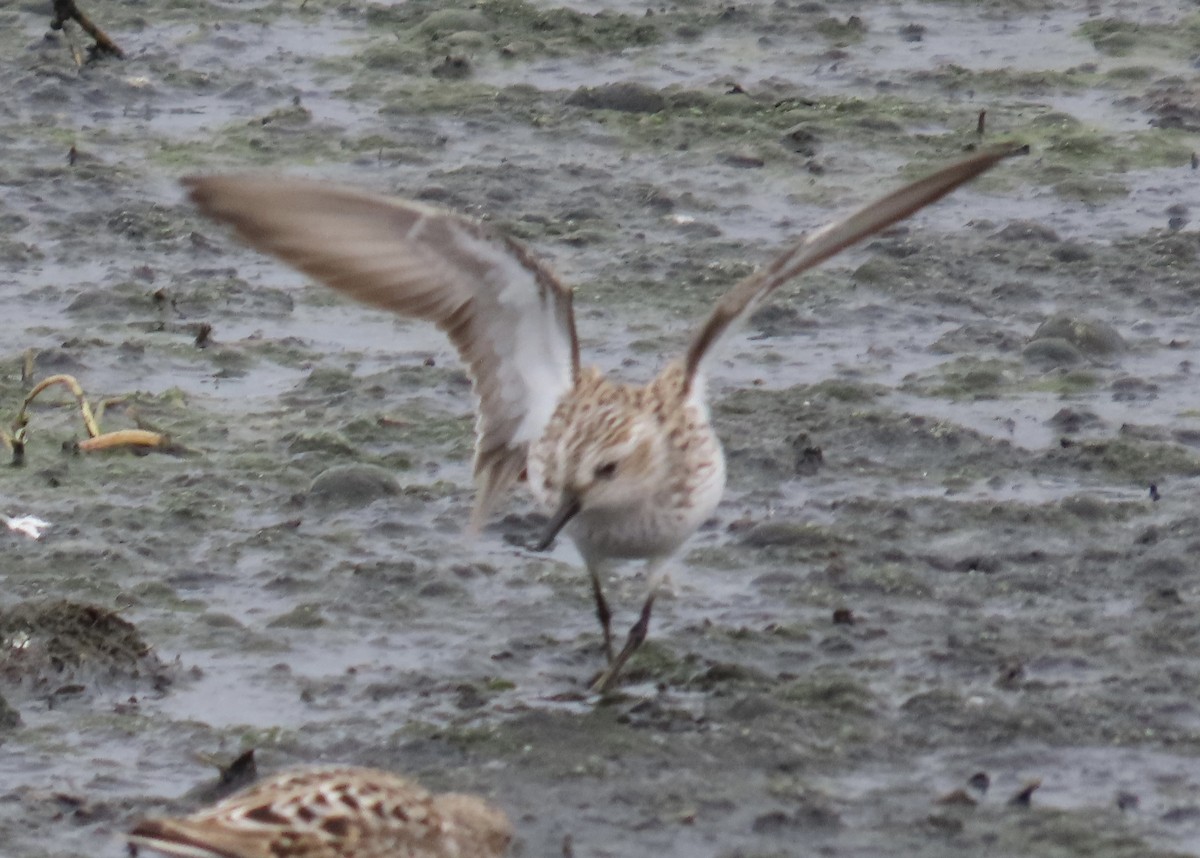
[{"x": 656, "y": 528}]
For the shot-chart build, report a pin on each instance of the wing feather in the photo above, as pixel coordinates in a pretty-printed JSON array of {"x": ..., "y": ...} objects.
[
  {"x": 815, "y": 248},
  {"x": 184, "y": 839},
  {"x": 506, "y": 313}
]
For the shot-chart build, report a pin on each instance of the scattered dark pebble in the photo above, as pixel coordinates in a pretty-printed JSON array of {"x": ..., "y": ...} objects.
[
  {"x": 743, "y": 159},
  {"x": 809, "y": 457},
  {"x": 1071, "y": 421},
  {"x": 800, "y": 139},
  {"x": 777, "y": 320},
  {"x": 958, "y": 797},
  {"x": 1071, "y": 251},
  {"x": 944, "y": 823},
  {"x": 1127, "y": 800},
  {"x": 9, "y": 717},
  {"x": 1162, "y": 599},
  {"x": 455, "y": 67},
  {"x": 625, "y": 97},
  {"x": 1170, "y": 567},
  {"x": 843, "y": 617},
  {"x": 1011, "y": 672},
  {"x": 1024, "y": 797}
]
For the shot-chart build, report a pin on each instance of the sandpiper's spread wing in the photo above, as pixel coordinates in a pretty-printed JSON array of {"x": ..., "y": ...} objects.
[
  {"x": 331, "y": 813},
  {"x": 815, "y": 248},
  {"x": 507, "y": 314}
]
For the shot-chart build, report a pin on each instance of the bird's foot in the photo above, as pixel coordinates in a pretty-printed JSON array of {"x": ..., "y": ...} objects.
[{"x": 606, "y": 680}]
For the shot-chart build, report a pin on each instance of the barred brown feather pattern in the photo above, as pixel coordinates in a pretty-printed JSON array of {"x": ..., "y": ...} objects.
[{"x": 344, "y": 812}]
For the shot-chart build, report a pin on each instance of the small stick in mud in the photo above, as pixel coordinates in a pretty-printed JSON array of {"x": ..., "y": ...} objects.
[
  {"x": 66, "y": 10},
  {"x": 980, "y": 123},
  {"x": 1024, "y": 798},
  {"x": 27, "y": 366}
]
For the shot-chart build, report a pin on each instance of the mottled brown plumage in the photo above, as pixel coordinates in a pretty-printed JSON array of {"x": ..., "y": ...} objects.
[
  {"x": 342, "y": 812},
  {"x": 629, "y": 472}
]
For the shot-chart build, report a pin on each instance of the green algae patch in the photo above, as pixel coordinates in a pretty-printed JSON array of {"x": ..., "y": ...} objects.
[
  {"x": 792, "y": 537},
  {"x": 1132, "y": 74},
  {"x": 1005, "y": 81},
  {"x": 1092, "y": 190},
  {"x": 301, "y": 617},
  {"x": 1083, "y": 163},
  {"x": 1067, "y": 383},
  {"x": 716, "y": 558},
  {"x": 968, "y": 378},
  {"x": 1113, "y": 36},
  {"x": 838, "y": 694},
  {"x": 891, "y": 579},
  {"x": 766, "y": 125},
  {"x": 263, "y": 142},
  {"x": 842, "y": 33},
  {"x": 425, "y": 30},
  {"x": 323, "y": 442},
  {"x": 656, "y": 661},
  {"x": 1134, "y": 460},
  {"x": 419, "y": 426},
  {"x": 1118, "y": 37},
  {"x": 847, "y": 391}
]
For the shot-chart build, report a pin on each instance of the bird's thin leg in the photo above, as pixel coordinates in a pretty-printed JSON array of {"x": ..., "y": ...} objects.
[
  {"x": 602, "y": 612},
  {"x": 637, "y": 635}
]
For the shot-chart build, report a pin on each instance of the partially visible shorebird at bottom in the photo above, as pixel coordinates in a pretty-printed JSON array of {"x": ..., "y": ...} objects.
[
  {"x": 332, "y": 812},
  {"x": 628, "y": 472}
]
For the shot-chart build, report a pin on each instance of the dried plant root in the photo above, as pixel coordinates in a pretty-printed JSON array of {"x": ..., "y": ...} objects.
[
  {"x": 69, "y": 382},
  {"x": 142, "y": 438},
  {"x": 139, "y": 439}
]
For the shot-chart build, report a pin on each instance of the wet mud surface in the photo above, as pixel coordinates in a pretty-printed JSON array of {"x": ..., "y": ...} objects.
[{"x": 940, "y": 554}]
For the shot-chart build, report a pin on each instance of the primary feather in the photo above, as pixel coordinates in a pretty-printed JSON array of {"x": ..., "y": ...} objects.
[{"x": 506, "y": 313}]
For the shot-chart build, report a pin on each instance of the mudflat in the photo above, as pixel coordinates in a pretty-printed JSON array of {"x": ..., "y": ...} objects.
[{"x": 939, "y": 556}]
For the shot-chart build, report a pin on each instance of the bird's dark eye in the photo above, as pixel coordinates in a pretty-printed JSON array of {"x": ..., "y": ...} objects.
[{"x": 606, "y": 471}]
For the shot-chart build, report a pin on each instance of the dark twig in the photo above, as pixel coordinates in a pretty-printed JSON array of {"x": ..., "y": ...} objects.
[{"x": 66, "y": 10}]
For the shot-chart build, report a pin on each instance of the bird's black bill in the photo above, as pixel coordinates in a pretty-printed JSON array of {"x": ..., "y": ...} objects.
[{"x": 566, "y": 511}]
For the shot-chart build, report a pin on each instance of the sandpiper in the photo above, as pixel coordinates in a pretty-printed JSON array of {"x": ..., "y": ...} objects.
[
  {"x": 629, "y": 472},
  {"x": 341, "y": 812}
]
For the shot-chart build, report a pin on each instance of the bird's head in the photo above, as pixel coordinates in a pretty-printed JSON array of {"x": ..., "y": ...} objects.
[{"x": 603, "y": 455}]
